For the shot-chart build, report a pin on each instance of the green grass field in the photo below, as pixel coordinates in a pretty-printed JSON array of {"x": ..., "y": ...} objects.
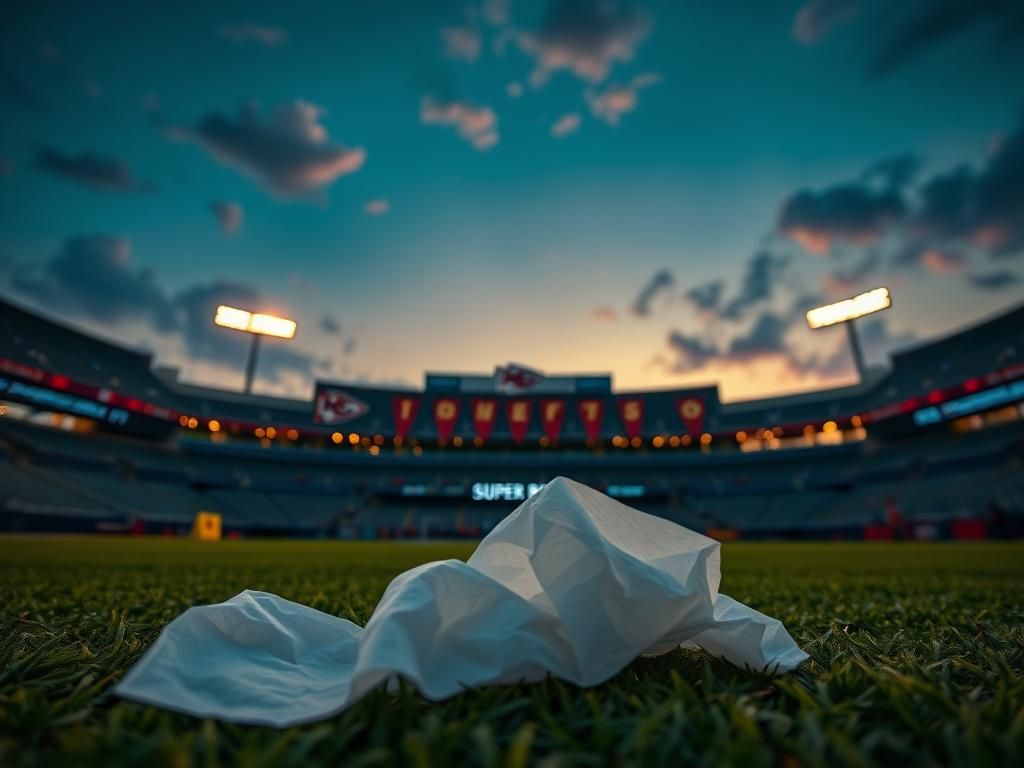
[{"x": 917, "y": 658}]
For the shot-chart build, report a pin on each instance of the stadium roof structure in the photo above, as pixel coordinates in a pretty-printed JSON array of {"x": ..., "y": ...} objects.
[{"x": 53, "y": 357}]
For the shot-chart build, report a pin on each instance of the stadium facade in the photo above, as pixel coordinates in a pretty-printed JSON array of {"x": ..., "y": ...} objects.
[{"x": 95, "y": 437}]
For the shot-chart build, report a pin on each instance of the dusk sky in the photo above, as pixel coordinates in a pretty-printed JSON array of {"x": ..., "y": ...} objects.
[{"x": 656, "y": 189}]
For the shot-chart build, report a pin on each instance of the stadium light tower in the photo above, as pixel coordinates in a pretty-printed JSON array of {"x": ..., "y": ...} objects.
[
  {"x": 846, "y": 311},
  {"x": 256, "y": 324}
]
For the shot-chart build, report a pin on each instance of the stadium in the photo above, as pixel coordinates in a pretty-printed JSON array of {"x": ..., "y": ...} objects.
[
  {"x": 95, "y": 438},
  {"x": 509, "y": 383}
]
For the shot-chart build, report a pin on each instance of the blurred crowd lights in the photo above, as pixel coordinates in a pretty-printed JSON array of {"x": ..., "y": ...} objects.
[
  {"x": 254, "y": 322},
  {"x": 849, "y": 309}
]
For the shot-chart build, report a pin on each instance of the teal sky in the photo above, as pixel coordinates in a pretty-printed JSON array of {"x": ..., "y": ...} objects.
[{"x": 689, "y": 128}]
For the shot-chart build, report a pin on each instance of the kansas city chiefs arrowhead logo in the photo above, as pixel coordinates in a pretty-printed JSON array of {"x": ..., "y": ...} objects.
[{"x": 336, "y": 407}]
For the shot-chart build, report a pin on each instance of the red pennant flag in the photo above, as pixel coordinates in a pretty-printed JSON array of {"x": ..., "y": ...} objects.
[
  {"x": 631, "y": 411},
  {"x": 591, "y": 414},
  {"x": 404, "y": 409},
  {"x": 691, "y": 411},
  {"x": 446, "y": 413},
  {"x": 518, "y": 414},
  {"x": 552, "y": 417},
  {"x": 484, "y": 412}
]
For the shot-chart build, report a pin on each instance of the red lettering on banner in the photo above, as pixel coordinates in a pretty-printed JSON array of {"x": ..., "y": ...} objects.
[
  {"x": 484, "y": 412},
  {"x": 446, "y": 413},
  {"x": 404, "y": 409},
  {"x": 631, "y": 411},
  {"x": 552, "y": 417},
  {"x": 518, "y": 414},
  {"x": 691, "y": 411},
  {"x": 591, "y": 414}
]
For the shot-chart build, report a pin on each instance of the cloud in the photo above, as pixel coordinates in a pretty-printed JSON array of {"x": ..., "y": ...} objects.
[
  {"x": 816, "y": 19},
  {"x": 288, "y": 154},
  {"x": 758, "y": 284},
  {"x": 495, "y": 12},
  {"x": 854, "y": 213},
  {"x": 377, "y": 207},
  {"x": 583, "y": 37},
  {"x": 660, "y": 282},
  {"x": 477, "y": 125},
  {"x": 514, "y": 90},
  {"x": 349, "y": 346},
  {"x": 765, "y": 337},
  {"x": 461, "y": 42},
  {"x": 993, "y": 281},
  {"x": 87, "y": 169},
  {"x": 229, "y": 215},
  {"x": 982, "y": 208},
  {"x": 604, "y": 314},
  {"x": 93, "y": 278},
  {"x": 616, "y": 100},
  {"x": 330, "y": 325},
  {"x": 936, "y": 21},
  {"x": 565, "y": 125},
  {"x": 707, "y": 297},
  {"x": 247, "y": 32},
  {"x": 93, "y": 275},
  {"x": 844, "y": 280},
  {"x": 690, "y": 353}
]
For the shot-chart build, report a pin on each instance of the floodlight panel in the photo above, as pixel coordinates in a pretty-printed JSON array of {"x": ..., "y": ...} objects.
[
  {"x": 232, "y": 317},
  {"x": 271, "y": 325},
  {"x": 849, "y": 309}
]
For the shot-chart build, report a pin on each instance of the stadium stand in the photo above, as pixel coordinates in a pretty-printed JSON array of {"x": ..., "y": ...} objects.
[{"x": 95, "y": 439}]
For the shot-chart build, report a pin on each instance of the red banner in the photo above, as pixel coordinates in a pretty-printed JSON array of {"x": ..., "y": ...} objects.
[
  {"x": 691, "y": 411},
  {"x": 631, "y": 411},
  {"x": 518, "y": 414},
  {"x": 552, "y": 417},
  {"x": 404, "y": 409},
  {"x": 446, "y": 414},
  {"x": 484, "y": 412},
  {"x": 591, "y": 414}
]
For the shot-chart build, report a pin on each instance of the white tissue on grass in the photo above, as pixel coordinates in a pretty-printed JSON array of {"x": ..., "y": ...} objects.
[{"x": 572, "y": 584}]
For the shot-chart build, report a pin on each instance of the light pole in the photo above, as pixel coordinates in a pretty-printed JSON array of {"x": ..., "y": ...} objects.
[
  {"x": 256, "y": 324},
  {"x": 846, "y": 311}
]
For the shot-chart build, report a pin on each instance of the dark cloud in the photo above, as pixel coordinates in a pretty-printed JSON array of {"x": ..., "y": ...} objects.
[
  {"x": 289, "y": 153},
  {"x": 878, "y": 340},
  {"x": 330, "y": 325},
  {"x": 88, "y": 169},
  {"x": 584, "y": 37},
  {"x": 690, "y": 353},
  {"x": 993, "y": 281},
  {"x": 93, "y": 275},
  {"x": 983, "y": 208},
  {"x": 15, "y": 91},
  {"x": 939, "y": 20},
  {"x": 349, "y": 346},
  {"x": 842, "y": 280},
  {"x": 706, "y": 297},
  {"x": 817, "y": 18},
  {"x": 765, "y": 337},
  {"x": 762, "y": 273},
  {"x": 248, "y": 32},
  {"x": 855, "y": 213},
  {"x": 660, "y": 282},
  {"x": 93, "y": 278},
  {"x": 229, "y": 215}
]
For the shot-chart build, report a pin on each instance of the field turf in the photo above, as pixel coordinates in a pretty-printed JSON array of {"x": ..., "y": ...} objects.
[{"x": 917, "y": 659}]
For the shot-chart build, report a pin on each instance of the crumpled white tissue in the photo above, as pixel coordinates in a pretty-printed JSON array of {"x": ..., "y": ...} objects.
[{"x": 572, "y": 584}]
